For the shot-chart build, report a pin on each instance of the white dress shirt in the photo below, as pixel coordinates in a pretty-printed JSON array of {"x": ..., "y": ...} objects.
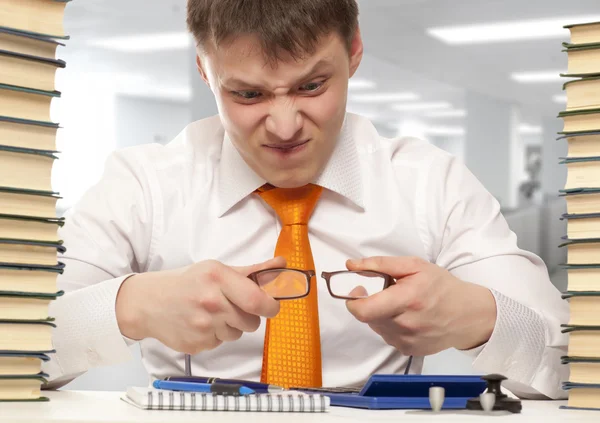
[{"x": 162, "y": 207}]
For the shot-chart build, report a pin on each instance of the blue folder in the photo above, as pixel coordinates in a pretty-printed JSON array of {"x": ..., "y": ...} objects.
[{"x": 389, "y": 391}]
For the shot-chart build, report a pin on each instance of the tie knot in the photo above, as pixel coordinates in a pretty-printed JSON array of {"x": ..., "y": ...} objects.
[{"x": 293, "y": 205}]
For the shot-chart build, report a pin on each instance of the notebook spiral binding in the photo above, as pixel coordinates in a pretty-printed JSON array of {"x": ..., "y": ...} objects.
[{"x": 274, "y": 402}]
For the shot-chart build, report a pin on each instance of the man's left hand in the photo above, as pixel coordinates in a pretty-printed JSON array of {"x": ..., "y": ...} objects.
[{"x": 427, "y": 310}]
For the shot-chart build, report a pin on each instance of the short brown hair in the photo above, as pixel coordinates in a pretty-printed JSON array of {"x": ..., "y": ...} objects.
[{"x": 291, "y": 26}]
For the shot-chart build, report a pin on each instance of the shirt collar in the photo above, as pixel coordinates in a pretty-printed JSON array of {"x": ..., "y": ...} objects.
[{"x": 236, "y": 180}]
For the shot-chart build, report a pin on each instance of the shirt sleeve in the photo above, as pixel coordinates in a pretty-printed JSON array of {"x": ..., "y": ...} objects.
[
  {"x": 108, "y": 237},
  {"x": 474, "y": 242}
]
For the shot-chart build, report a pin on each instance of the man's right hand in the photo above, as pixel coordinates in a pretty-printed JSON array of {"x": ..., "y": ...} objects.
[{"x": 194, "y": 308}]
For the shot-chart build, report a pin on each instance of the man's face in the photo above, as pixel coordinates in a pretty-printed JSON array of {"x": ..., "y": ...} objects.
[{"x": 284, "y": 119}]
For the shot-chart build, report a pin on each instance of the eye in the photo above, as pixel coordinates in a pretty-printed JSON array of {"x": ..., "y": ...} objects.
[
  {"x": 247, "y": 95},
  {"x": 311, "y": 87}
]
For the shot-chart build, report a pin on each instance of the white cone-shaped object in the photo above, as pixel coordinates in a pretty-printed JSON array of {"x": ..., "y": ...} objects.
[
  {"x": 436, "y": 397},
  {"x": 487, "y": 400}
]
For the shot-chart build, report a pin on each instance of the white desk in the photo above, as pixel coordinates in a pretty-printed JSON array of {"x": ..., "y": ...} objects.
[{"x": 107, "y": 407}]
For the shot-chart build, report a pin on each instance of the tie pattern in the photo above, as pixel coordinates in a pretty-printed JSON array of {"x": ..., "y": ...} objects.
[{"x": 292, "y": 345}]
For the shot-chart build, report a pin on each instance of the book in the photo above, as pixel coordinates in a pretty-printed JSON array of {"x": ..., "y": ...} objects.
[
  {"x": 38, "y": 253},
  {"x": 582, "y": 144},
  {"x": 24, "y": 70},
  {"x": 30, "y": 278},
  {"x": 583, "y": 60},
  {"x": 17, "y": 305},
  {"x": 26, "y": 103},
  {"x": 40, "y": 17},
  {"x": 285, "y": 401},
  {"x": 583, "y": 307},
  {"x": 582, "y": 396},
  {"x": 583, "y": 277},
  {"x": 23, "y": 202},
  {"x": 582, "y": 226},
  {"x": 26, "y": 335},
  {"x": 29, "y": 227},
  {"x": 26, "y": 168},
  {"x": 584, "y": 33},
  {"x": 27, "y": 134},
  {"x": 582, "y": 251},
  {"x": 581, "y": 130},
  {"x": 21, "y": 363},
  {"x": 583, "y": 93},
  {"x": 582, "y": 172},
  {"x": 581, "y": 202},
  {"x": 584, "y": 341},
  {"x": 583, "y": 369},
  {"x": 28, "y": 44},
  {"x": 581, "y": 120},
  {"x": 22, "y": 387}
]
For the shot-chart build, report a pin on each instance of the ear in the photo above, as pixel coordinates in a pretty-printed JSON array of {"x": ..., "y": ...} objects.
[
  {"x": 201, "y": 70},
  {"x": 356, "y": 52}
]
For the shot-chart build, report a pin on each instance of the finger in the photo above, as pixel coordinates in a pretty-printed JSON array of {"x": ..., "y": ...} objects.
[
  {"x": 226, "y": 333},
  {"x": 269, "y": 264},
  {"x": 397, "y": 267},
  {"x": 246, "y": 294},
  {"x": 358, "y": 291},
  {"x": 239, "y": 319},
  {"x": 386, "y": 304}
]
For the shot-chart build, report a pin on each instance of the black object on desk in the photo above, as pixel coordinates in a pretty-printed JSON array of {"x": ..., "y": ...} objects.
[
  {"x": 502, "y": 403},
  {"x": 391, "y": 391}
]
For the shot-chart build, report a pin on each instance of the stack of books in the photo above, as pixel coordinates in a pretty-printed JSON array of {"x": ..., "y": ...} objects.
[
  {"x": 30, "y": 31},
  {"x": 581, "y": 132}
]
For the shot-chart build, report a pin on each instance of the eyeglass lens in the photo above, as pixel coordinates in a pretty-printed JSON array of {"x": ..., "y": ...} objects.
[
  {"x": 283, "y": 284},
  {"x": 356, "y": 285}
]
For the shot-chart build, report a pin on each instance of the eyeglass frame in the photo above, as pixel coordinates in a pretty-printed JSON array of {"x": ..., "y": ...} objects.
[{"x": 389, "y": 280}]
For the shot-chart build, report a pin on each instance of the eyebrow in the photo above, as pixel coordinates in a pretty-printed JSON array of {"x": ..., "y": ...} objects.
[{"x": 320, "y": 66}]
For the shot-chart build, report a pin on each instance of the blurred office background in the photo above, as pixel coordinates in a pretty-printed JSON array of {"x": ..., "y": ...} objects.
[{"x": 478, "y": 78}]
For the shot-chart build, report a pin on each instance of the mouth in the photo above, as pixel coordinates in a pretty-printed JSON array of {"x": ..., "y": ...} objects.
[{"x": 287, "y": 147}]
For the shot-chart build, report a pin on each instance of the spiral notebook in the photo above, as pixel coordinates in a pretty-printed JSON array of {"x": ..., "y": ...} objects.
[{"x": 285, "y": 401}]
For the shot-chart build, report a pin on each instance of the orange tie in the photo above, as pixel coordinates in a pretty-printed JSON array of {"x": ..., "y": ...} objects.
[{"x": 292, "y": 348}]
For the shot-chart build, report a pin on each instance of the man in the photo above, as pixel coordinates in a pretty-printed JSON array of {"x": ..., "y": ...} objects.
[{"x": 160, "y": 250}]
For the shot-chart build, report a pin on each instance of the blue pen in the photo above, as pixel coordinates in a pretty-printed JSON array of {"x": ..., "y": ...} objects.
[
  {"x": 258, "y": 387},
  {"x": 216, "y": 388}
]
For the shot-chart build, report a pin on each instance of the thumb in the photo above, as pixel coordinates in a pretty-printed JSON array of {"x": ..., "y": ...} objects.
[
  {"x": 397, "y": 267},
  {"x": 269, "y": 264}
]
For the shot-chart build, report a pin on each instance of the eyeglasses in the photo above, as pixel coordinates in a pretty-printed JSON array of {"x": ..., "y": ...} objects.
[{"x": 290, "y": 284}]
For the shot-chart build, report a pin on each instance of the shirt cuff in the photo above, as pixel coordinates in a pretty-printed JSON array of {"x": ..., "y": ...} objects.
[
  {"x": 474, "y": 352},
  {"x": 517, "y": 349},
  {"x": 87, "y": 334}
]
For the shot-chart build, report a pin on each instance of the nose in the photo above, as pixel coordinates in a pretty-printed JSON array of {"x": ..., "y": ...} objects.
[{"x": 284, "y": 120}]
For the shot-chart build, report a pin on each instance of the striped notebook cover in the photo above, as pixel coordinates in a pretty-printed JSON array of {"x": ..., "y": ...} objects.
[{"x": 287, "y": 401}]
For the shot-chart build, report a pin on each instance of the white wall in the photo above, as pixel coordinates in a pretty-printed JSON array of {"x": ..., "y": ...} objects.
[{"x": 145, "y": 120}]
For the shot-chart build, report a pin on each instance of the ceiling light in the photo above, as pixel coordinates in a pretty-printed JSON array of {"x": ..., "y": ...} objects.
[
  {"x": 527, "y": 129},
  {"x": 383, "y": 97},
  {"x": 444, "y": 130},
  {"x": 146, "y": 42},
  {"x": 447, "y": 113},
  {"x": 537, "y": 76},
  {"x": 508, "y": 31},
  {"x": 360, "y": 84},
  {"x": 559, "y": 98},
  {"x": 409, "y": 107}
]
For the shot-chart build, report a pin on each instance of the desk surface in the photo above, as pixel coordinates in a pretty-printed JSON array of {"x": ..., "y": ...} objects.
[{"x": 107, "y": 407}]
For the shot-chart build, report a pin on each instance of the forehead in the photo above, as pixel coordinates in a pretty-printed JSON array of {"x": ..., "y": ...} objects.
[{"x": 244, "y": 59}]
